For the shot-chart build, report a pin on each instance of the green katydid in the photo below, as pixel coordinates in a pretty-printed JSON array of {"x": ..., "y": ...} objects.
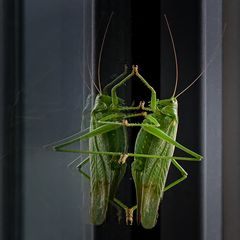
[
  {"x": 157, "y": 136},
  {"x": 105, "y": 170},
  {"x": 154, "y": 148}
]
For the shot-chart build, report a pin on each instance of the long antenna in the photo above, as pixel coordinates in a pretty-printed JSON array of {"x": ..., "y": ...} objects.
[
  {"x": 94, "y": 84},
  {"x": 100, "y": 53},
  {"x": 208, "y": 64},
  {"x": 175, "y": 55},
  {"x": 199, "y": 76}
]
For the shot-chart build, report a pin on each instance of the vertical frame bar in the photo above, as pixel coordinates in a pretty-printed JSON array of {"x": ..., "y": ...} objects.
[
  {"x": 212, "y": 120},
  {"x": 2, "y": 114},
  {"x": 13, "y": 128},
  {"x": 231, "y": 120}
]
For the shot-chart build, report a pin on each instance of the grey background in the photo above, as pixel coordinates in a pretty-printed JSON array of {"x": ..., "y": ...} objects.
[{"x": 57, "y": 80}]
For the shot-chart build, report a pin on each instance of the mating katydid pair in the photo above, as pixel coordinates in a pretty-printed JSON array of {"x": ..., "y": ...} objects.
[{"x": 153, "y": 153}]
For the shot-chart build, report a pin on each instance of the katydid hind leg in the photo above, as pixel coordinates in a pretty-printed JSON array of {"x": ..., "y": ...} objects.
[
  {"x": 183, "y": 173},
  {"x": 162, "y": 135},
  {"x": 154, "y": 130},
  {"x": 98, "y": 131},
  {"x": 105, "y": 128},
  {"x": 151, "y": 197}
]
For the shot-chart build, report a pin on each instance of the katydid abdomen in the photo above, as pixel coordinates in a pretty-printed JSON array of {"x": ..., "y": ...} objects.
[
  {"x": 105, "y": 171},
  {"x": 150, "y": 174}
]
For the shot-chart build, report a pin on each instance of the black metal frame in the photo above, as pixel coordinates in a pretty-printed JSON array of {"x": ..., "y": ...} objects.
[
  {"x": 231, "y": 119},
  {"x": 11, "y": 139}
]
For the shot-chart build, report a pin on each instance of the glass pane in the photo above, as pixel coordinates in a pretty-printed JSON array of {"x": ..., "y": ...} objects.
[{"x": 58, "y": 72}]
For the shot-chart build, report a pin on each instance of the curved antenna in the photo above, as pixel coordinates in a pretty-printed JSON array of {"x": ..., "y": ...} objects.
[
  {"x": 175, "y": 55},
  {"x": 91, "y": 76},
  {"x": 100, "y": 53},
  {"x": 208, "y": 64},
  {"x": 200, "y": 75}
]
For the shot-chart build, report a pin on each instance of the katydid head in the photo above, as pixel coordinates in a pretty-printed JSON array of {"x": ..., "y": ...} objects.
[
  {"x": 168, "y": 107},
  {"x": 103, "y": 102}
]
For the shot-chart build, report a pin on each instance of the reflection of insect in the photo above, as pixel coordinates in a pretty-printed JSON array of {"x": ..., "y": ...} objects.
[
  {"x": 107, "y": 147},
  {"x": 105, "y": 171}
]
